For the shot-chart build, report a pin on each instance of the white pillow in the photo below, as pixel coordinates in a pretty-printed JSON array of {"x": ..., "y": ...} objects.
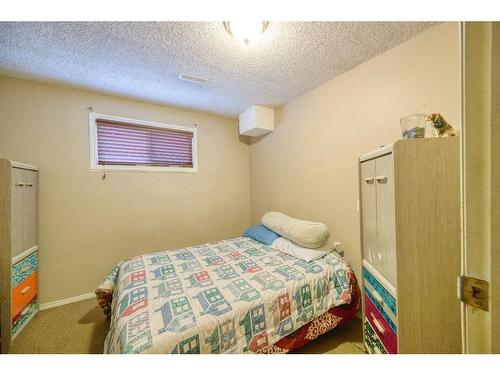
[
  {"x": 305, "y": 233},
  {"x": 304, "y": 253}
]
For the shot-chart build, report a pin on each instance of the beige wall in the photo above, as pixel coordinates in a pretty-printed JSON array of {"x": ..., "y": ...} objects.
[
  {"x": 308, "y": 166},
  {"x": 86, "y": 224}
]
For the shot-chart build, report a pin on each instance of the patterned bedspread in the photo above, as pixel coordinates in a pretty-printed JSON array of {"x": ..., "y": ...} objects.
[{"x": 232, "y": 296}]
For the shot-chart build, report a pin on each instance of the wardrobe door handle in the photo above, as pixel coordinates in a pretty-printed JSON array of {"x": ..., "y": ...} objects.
[
  {"x": 29, "y": 184},
  {"x": 381, "y": 179},
  {"x": 369, "y": 180},
  {"x": 20, "y": 184},
  {"x": 26, "y": 268}
]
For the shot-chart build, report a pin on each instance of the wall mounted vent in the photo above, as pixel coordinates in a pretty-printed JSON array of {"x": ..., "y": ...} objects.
[{"x": 198, "y": 80}]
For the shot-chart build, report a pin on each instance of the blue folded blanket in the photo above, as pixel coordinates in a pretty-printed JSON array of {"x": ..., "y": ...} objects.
[{"x": 261, "y": 233}]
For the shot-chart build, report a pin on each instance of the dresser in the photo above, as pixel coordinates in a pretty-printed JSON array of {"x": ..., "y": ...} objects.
[
  {"x": 18, "y": 248},
  {"x": 410, "y": 230}
]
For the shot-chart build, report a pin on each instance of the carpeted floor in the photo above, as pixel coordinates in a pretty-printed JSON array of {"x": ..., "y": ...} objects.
[{"x": 81, "y": 328}]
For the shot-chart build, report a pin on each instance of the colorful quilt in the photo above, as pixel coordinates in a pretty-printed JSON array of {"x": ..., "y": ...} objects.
[
  {"x": 333, "y": 318},
  {"x": 232, "y": 296}
]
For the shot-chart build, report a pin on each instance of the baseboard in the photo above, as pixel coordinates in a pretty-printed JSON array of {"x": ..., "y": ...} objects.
[{"x": 61, "y": 302}]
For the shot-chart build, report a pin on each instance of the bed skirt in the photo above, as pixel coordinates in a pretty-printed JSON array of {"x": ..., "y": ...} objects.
[{"x": 333, "y": 318}]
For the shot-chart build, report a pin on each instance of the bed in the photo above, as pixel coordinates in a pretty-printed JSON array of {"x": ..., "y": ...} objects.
[{"x": 232, "y": 296}]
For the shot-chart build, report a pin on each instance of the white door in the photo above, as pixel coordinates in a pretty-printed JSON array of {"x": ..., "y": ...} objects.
[
  {"x": 386, "y": 216},
  {"x": 17, "y": 222},
  {"x": 369, "y": 213},
  {"x": 495, "y": 189},
  {"x": 30, "y": 209},
  {"x": 481, "y": 179}
]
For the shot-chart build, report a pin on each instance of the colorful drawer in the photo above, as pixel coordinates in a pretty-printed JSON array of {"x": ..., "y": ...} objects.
[
  {"x": 384, "y": 301},
  {"x": 384, "y": 332},
  {"x": 372, "y": 342},
  {"x": 23, "y": 268},
  {"x": 24, "y": 291},
  {"x": 22, "y": 318},
  {"x": 380, "y": 312}
]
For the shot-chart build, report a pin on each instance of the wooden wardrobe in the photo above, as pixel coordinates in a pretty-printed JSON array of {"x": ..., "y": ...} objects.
[
  {"x": 410, "y": 214},
  {"x": 18, "y": 248}
]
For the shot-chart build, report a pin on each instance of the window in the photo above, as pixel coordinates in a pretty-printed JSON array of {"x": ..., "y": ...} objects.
[{"x": 118, "y": 143}]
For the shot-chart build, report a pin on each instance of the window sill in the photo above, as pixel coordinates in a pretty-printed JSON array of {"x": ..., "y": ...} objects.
[{"x": 126, "y": 168}]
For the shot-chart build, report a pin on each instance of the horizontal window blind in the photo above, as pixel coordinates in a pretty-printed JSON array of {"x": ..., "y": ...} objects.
[{"x": 120, "y": 143}]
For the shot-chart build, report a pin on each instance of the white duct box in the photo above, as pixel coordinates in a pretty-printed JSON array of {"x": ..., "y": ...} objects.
[{"x": 256, "y": 121}]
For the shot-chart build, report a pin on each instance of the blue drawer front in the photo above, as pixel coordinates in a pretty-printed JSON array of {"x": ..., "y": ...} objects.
[
  {"x": 25, "y": 267},
  {"x": 387, "y": 297}
]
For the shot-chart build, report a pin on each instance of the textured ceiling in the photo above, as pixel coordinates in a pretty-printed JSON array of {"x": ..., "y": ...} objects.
[{"x": 143, "y": 60}]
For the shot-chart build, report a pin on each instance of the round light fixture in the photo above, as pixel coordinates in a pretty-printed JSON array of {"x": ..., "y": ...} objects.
[{"x": 246, "y": 31}]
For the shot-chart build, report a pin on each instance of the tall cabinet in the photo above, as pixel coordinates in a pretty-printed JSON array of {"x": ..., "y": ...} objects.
[
  {"x": 18, "y": 248},
  {"x": 410, "y": 214}
]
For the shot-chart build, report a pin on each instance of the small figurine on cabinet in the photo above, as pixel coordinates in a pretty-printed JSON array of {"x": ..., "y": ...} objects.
[{"x": 441, "y": 126}]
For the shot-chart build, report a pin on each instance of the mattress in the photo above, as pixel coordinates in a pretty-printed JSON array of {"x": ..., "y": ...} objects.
[{"x": 232, "y": 296}]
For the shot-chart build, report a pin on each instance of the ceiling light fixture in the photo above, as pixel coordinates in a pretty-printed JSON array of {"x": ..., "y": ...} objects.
[{"x": 246, "y": 31}]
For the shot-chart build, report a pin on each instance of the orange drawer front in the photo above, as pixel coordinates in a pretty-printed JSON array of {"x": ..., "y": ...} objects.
[{"x": 24, "y": 293}]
